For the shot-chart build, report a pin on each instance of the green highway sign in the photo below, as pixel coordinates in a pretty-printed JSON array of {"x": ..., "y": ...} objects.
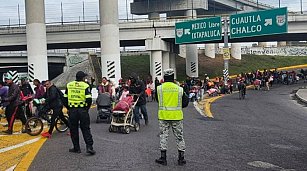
[
  {"x": 200, "y": 30},
  {"x": 259, "y": 23}
]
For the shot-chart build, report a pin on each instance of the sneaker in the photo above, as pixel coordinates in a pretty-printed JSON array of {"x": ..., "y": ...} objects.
[
  {"x": 9, "y": 132},
  {"x": 46, "y": 135},
  {"x": 73, "y": 150}
]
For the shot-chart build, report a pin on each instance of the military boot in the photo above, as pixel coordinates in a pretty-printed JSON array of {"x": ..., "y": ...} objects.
[
  {"x": 181, "y": 160},
  {"x": 162, "y": 159}
]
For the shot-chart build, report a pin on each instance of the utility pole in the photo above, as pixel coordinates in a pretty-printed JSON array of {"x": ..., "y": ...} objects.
[
  {"x": 301, "y": 6},
  {"x": 62, "y": 17},
  {"x": 226, "y": 50},
  {"x": 18, "y": 16},
  {"x": 83, "y": 12}
]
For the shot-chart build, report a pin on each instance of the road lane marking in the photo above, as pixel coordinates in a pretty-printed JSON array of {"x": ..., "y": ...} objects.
[
  {"x": 11, "y": 168},
  {"x": 2, "y": 150},
  {"x": 26, "y": 161},
  {"x": 287, "y": 147},
  {"x": 266, "y": 165}
]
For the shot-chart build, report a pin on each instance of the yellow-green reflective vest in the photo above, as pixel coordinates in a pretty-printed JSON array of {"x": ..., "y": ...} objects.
[
  {"x": 76, "y": 94},
  {"x": 170, "y": 101}
]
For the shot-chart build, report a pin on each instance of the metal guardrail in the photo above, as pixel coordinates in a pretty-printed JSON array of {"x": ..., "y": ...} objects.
[{"x": 94, "y": 24}]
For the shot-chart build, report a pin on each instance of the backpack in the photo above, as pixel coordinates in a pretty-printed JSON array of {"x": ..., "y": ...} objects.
[{"x": 61, "y": 95}]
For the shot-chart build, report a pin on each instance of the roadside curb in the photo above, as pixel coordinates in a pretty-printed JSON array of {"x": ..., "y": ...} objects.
[
  {"x": 205, "y": 110},
  {"x": 300, "y": 97}
]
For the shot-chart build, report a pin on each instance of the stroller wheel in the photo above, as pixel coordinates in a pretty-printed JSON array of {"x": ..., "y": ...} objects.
[
  {"x": 109, "y": 119},
  {"x": 111, "y": 129},
  {"x": 136, "y": 127},
  {"x": 127, "y": 129},
  {"x": 98, "y": 120}
]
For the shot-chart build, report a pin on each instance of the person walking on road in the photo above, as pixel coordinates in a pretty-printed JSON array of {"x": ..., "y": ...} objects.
[
  {"x": 12, "y": 109},
  {"x": 171, "y": 100},
  {"x": 138, "y": 87},
  {"x": 79, "y": 100},
  {"x": 54, "y": 102}
]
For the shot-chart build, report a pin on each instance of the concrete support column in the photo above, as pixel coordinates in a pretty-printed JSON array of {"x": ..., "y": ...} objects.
[
  {"x": 191, "y": 52},
  {"x": 210, "y": 50},
  {"x": 236, "y": 50},
  {"x": 109, "y": 40},
  {"x": 154, "y": 16},
  {"x": 165, "y": 60},
  {"x": 192, "y": 61},
  {"x": 191, "y": 13},
  {"x": 36, "y": 40},
  {"x": 281, "y": 44},
  {"x": 150, "y": 64},
  {"x": 173, "y": 63},
  {"x": 157, "y": 68},
  {"x": 217, "y": 46},
  {"x": 262, "y": 44},
  {"x": 159, "y": 54}
]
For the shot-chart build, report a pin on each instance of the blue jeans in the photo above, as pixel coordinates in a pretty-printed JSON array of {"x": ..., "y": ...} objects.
[{"x": 137, "y": 113}]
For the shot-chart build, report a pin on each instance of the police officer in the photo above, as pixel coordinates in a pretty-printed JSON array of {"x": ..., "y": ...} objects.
[
  {"x": 171, "y": 99},
  {"x": 79, "y": 100}
]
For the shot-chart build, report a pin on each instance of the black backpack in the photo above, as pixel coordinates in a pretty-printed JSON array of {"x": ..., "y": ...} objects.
[{"x": 61, "y": 95}]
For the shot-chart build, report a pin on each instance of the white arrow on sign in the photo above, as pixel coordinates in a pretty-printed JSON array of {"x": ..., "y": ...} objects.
[
  {"x": 268, "y": 22},
  {"x": 187, "y": 31}
]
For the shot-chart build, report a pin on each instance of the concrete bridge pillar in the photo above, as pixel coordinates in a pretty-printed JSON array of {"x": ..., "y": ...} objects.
[
  {"x": 36, "y": 40},
  {"x": 156, "y": 62},
  {"x": 262, "y": 44},
  {"x": 160, "y": 57},
  {"x": 165, "y": 60},
  {"x": 109, "y": 40},
  {"x": 281, "y": 44},
  {"x": 236, "y": 50},
  {"x": 191, "y": 52},
  {"x": 210, "y": 50},
  {"x": 173, "y": 63}
]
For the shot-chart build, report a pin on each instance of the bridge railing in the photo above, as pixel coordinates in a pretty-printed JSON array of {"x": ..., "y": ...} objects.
[{"x": 94, "y": 24}]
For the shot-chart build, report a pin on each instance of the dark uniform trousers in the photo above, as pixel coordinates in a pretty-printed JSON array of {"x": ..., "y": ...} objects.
[
  {"x": 11, "y": 112},
  {"x": 81, "y": 115}
]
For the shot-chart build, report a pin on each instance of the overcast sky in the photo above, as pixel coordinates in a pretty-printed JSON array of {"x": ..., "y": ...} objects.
[{"x": 73, "y": 9}]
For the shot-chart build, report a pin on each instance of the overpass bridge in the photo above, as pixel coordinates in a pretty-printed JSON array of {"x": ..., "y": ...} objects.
[
  {"x": 156, "y": 34},
  {"x": 132, "y": 33}
]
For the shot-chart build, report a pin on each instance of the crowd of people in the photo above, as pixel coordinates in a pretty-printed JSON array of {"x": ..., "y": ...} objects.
[{"x": 261, "y": 80}]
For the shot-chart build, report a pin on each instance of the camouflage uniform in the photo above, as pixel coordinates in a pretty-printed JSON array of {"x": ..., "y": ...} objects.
[{"x": 177, "y": 127}]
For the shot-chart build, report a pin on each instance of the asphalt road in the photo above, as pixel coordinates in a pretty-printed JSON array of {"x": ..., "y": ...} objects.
[{"x": 266, "y": 131}]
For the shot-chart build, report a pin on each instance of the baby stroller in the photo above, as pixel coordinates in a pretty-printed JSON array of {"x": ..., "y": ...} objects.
[
  {"x": 104, "y": 107},
  {"x": 123, "y": 117}
]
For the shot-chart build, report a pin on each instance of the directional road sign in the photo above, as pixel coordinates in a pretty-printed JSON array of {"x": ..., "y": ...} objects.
[
  {"x": 200, "y": 30},
  {"x": 259, "y": 23}
]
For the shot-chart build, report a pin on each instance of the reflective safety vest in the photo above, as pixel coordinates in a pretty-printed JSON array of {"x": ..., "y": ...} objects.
[
  {"x": 76, "y": 94},
  {"x": 170, "y": 101}
]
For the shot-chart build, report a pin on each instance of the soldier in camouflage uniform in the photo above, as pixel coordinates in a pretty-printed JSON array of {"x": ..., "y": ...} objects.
[{"x": 171, "y": 99}]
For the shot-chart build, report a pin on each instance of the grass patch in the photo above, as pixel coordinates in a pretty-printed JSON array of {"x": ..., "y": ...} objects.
[{"x": 212, "y": 67}]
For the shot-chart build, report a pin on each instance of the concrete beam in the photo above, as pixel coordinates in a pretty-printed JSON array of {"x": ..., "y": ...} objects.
[{"x": 144, "y": 7}]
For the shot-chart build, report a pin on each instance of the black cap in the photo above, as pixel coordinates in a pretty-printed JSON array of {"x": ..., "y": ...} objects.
[{"x": 80, "y": 75}]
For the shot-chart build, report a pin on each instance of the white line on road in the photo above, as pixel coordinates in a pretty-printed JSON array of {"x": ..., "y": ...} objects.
[
  {"x": 265, "y": 165},
  {"x": 2, "y": 150},
  {"x": 12, "y": 168}
]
